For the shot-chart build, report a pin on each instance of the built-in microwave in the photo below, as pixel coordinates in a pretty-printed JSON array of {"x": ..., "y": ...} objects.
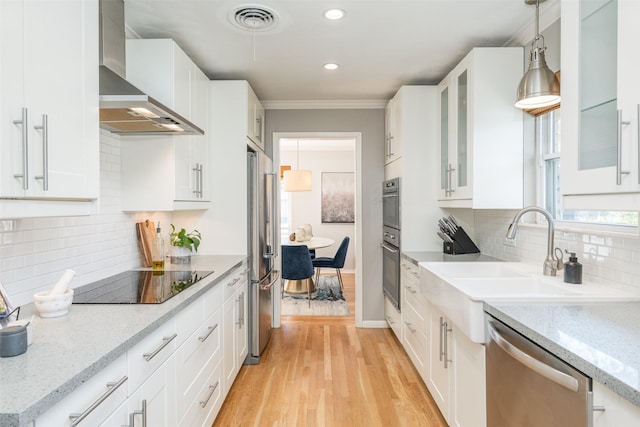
[{"x": 391, "y": 203}]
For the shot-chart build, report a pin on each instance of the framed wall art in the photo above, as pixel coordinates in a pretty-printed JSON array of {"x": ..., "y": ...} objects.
[{"x": 338, "y": 193}]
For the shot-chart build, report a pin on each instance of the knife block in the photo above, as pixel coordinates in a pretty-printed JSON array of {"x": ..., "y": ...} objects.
[{"x": 462, "y": 244}]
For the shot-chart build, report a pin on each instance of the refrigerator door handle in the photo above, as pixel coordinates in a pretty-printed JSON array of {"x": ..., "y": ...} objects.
[
  {"x": 271, "y": 249},
  {"x": 272, "y": 278}
]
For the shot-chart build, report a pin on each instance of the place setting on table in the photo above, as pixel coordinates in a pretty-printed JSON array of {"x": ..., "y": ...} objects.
[{"x": 302, "y": 294}]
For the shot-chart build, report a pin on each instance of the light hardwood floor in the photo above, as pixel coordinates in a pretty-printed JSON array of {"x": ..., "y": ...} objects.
[{"x": 323, "y": 371}]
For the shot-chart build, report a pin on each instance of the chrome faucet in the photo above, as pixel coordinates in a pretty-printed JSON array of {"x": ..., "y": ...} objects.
[{"x": 551, "y": 263}]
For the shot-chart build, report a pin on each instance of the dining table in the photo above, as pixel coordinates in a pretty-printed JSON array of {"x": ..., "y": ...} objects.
[{"x": 304, "y": 286}]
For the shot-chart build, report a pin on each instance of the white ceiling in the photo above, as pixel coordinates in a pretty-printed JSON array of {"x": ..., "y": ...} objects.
[{"x": 380, "y": 45}]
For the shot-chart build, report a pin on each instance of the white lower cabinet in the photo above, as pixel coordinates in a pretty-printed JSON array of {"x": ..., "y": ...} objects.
[
  {"x": 153, "y": 403},
  {"x": 235, "y": 335},
  {"x": 617, "y": 412},
  {"x": 178, "y": 375},
  {"x": 415, "y": 328},
  {"x": 456, "y": 373},
  {"x": 394, "y": 318}
]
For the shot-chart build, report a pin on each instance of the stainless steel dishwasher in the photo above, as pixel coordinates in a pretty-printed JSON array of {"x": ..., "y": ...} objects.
[{"x": 529, "y": 387}]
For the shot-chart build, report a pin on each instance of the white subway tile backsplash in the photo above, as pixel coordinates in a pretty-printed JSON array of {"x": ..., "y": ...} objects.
[
  {"x": 606, "y": 257},
  {"x": 35, "y": 252}
]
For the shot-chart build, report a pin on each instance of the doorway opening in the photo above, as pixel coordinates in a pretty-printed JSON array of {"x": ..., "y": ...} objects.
[{"x": 334, "y": 160}]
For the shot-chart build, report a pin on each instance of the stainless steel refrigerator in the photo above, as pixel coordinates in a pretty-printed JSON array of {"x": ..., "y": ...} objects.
[{"x": 262, "y": 249}]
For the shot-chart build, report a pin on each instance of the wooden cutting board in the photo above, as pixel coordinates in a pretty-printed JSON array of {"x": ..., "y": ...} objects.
[{"x": 146, "y": 232}]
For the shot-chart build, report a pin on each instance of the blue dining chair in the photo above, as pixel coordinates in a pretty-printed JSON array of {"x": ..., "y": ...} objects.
[
  {"x": 336, "y": 262},
  {"x": 296, "y": 265}
]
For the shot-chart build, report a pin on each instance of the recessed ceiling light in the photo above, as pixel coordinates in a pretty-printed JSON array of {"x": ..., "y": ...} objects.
[
  {"x": 334, "y": 14},
  {"x": 331, "y": 66}
]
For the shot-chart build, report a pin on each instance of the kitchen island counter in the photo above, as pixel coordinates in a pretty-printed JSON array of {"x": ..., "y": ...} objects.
[
  {"x": 67, "y": 351},
  {"x": 416, "y": 257},
  {"x": 601, "y": 339}
]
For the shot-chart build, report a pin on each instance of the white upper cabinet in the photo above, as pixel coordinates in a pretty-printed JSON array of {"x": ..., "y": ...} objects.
[
  {"x": 600, "y": 104},
  {"x": 167, "y": 173},
  {"x": 49, "y": 100},
  {"x": 480, "y": 131},
  {"x": 393, "y": 127},
  {"x": 255, "y": 119}
]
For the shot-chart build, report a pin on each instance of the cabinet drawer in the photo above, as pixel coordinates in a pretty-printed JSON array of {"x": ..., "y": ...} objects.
[
  {"x": 416, "y": 319},
  {"x": 188, "y": 320},
  {"x": 205, "y": 343},
  {"x": 213, "y": 299},
  {"x": 149, "y": 354},
  {"x": 108, "y": 388},
  {"x": 393, "y": 318},
  {"x": 415, "y": 344},
  {"x": 208, "y": 399},
  {"x": 237, "y": 279}
]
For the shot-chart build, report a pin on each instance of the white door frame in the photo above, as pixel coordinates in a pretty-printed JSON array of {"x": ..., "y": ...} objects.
[{"x": 357, "y": 136}]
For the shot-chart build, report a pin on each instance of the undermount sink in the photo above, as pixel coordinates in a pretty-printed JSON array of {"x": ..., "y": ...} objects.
[{"x": 458, "y": 289}]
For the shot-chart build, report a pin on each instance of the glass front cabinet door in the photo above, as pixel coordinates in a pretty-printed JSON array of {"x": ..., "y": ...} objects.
[{"x": 600, "y": 104}]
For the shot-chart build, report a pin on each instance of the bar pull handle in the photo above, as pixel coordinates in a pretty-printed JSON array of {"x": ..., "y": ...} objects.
[
  {"x": 143, "y": 412},
  {"x": 212, "y": 389},
  {"x": 196, "y": 169},
  {"x": 619, "y": 171},
  {"x": 44, "y": 127},
  {"x": 25, "y": 150},
  {"x": 441, "y": 338},
  {"x": 211, "y": 329},
  {"x": 111, "y": 388},
  {"x": 449, "y": 191},
  {"x": 446, "y": 331},
  {"x": 201, "y": 175},
  {"x": 165, "y": 342},
  {"x": 410, "y": 327},
  {"x": 535, "y": 365}
]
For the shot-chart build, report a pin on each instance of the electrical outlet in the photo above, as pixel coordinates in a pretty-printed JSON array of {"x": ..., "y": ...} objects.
[{"x": 510, "y": 242}]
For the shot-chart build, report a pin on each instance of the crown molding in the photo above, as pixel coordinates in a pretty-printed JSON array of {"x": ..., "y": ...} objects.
[{"x": 325, "y": 105}]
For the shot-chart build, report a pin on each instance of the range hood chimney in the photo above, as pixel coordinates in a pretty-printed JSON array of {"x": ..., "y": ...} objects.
[{"x": 125, "y": 109}]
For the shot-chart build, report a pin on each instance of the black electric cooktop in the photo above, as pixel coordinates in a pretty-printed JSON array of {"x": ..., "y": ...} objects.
[{"x": 137, "y": 287}]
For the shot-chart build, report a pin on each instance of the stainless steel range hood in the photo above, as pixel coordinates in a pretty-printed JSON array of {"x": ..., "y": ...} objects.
[{"x": 125, "y": 109}]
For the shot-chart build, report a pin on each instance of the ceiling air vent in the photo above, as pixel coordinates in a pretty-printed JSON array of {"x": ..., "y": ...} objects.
[{"x": 253, "y": 18}]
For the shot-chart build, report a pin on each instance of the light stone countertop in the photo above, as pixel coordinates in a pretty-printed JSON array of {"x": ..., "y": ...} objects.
[
  {"x": 601, "y": 339},
  {"x": 416, "y": 257},
  {"x": 69, "y": 350}
]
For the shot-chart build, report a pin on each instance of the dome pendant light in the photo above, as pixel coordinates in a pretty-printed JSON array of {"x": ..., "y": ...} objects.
[
  {"x": 539, "y": 86},
  {"x": 297, "y": 180}
]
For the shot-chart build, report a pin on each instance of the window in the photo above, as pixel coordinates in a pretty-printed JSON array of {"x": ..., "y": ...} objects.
[{"x": 548, "y": 145}]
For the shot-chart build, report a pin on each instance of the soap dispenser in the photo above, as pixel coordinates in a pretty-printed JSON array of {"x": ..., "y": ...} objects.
[{"x": 572, "y": 269}]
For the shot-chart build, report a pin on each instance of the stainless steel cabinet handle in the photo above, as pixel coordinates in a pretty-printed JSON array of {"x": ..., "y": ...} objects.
[
  {"x": 111, "y": 388},
  {"x": 535, "y": 365},
  {"x": 258, "y": 130},
  {"x": 441, "y": 338},
  {"x": 619, "y": 171},
  {"x": 390, "y": 320},
  {"x": 449, "y": 190},
  {"x": 391, "y": 153},
  {"x": 410, "y": 289},
  {"x": 211, "y": 329},
  {"x": 212, "y": 389},
  {"x": 201, "y": 180},
  {"x": 165, "y": 342},
  {"x": 25, "y": 150},
  {"x": 446, "y": 331},
  {"x": 143, "y": 412},
  {"x": 196, "y": 169},
  {"x": 45, "y": 152}
]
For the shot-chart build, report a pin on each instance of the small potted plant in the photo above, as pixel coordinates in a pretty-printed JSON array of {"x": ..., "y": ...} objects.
[{"x": 182, "y": 245}]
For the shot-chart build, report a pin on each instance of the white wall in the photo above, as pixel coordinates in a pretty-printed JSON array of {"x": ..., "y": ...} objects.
[
  {"x": 35, "y": 252},
  {"x": 306, "y": 206}
]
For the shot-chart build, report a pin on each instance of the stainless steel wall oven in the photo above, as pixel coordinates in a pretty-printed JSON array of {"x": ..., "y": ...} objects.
[{"x": 391, "y": 240}]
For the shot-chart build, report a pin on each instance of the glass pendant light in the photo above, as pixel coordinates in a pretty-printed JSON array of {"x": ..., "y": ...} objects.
[
  {"x": 297, "y": 180},
  {"x": 539, "y": 86}
]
